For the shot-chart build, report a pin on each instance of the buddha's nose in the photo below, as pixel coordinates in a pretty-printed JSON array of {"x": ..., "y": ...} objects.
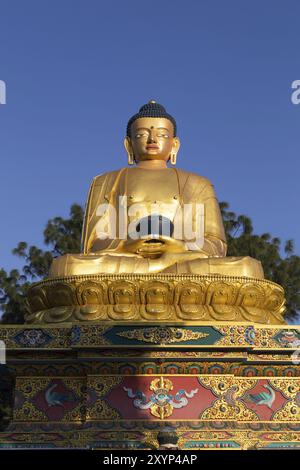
[{"x": 152, "y": 137}]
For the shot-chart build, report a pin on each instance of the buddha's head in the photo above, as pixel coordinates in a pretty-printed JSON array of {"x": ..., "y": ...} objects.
[{"x": 151, "y": 135}]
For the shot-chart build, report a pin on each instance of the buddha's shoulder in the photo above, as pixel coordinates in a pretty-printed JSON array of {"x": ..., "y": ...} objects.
[
  {"x": 193, "y": 178},
  {"x": 185, "y": 177},
  {"x": 99, "y": 180}
]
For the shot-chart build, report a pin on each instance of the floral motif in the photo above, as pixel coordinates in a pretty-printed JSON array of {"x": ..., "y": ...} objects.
[
  {"x": 33, "y": 338},
  {"x": 156, "y": 296},
  {"x": 162, "y": 335}
]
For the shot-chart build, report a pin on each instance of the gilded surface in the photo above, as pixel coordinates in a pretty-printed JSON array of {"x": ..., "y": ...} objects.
[
  {"x": 99, "y": 387},
  {"x": 269, "y": 338},
  {"x": 228, "y": 390},
  {"x": 221, "y": 365},
  {"x": 28, "y": 337},
  {"x": 163, "y": 335},
  {"x": 269, "y": 343},
  {"x": 99, "y": 398},
  {"x": 195, "y": 245},
  {"x": 156, "y": 298},
  {"x": 141, "y": 438},
  {"x": 291, "y": 390},
  {"x": 110, "y": 358},
  {"x": 37, "y": 397}
]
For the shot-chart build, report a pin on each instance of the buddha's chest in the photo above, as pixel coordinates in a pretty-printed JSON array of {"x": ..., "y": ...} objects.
[{"x": 152, "y": 187}]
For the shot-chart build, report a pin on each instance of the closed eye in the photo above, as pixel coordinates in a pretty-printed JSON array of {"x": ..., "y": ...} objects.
[{"x": 138, "y": 136}]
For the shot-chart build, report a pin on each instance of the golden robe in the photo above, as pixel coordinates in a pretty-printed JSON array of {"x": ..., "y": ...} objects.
[{"x": 167, "y": 191}]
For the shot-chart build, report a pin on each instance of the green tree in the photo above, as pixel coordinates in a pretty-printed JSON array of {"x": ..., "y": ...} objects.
[
  {"x": 62, "y": 236},
  {"x": 280, "y": 263}
]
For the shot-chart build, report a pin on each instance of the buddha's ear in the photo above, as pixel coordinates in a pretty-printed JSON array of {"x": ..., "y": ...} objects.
[
  {"x": 127, "y": 144},
  {"x": 129, "y": 150},
  {"x": 176, "y": 145},
  {"x": 175, "y": 149}
]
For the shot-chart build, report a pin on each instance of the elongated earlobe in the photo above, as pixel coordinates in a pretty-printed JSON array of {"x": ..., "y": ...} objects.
[
  {"x": 128, "y": 148},
  {"x": 130, "y": 159},
  {"x": 173, "y": 158},
  {"x": 176, "y": 147}
]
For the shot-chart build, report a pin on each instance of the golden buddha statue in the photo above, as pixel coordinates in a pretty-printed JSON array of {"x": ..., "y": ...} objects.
[{"x": 116, "y": 235}]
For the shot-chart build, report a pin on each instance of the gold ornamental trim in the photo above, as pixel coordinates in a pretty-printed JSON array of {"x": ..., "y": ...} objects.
[
  {"x": 159, "y": 335},
  {"x": 235, "y": 399},
  {"x": 157, "y": 297},
  {"x": 236, "y": 439},
  {"x": 263, "y": 343}
]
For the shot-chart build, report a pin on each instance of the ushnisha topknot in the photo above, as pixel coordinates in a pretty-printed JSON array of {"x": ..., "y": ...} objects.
[{"x": 151, "y": 109}]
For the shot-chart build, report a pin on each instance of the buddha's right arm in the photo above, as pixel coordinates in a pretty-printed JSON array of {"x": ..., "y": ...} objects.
[
  {"x": 85, "y": 231},
  {"x": 98, "y": 197}
]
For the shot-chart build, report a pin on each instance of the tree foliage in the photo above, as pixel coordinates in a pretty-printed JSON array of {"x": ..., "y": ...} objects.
[
  {"x": 280, "y": 263},
  {"x": 62, "y": 236}
]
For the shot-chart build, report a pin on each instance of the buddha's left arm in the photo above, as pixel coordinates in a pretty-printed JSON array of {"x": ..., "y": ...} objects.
[{"x": 213, "y": 241}]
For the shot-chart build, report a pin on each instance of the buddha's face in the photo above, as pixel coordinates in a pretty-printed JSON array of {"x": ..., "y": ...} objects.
[{"x": 152, "y": 139}]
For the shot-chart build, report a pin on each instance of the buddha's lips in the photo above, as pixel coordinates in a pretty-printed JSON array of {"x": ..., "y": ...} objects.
[{"x": 152, "y": 147}]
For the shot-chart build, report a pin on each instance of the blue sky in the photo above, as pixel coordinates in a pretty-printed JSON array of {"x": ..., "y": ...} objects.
[{"x": 75, "y": 72}]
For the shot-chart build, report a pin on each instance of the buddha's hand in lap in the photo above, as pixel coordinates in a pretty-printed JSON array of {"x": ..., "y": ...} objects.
[
  {"x": 161, "y": 251},
  {"x": 154, "y": 247}
]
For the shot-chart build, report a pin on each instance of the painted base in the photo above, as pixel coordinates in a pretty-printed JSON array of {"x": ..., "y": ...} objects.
[{"x": 100, "y": 385}]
